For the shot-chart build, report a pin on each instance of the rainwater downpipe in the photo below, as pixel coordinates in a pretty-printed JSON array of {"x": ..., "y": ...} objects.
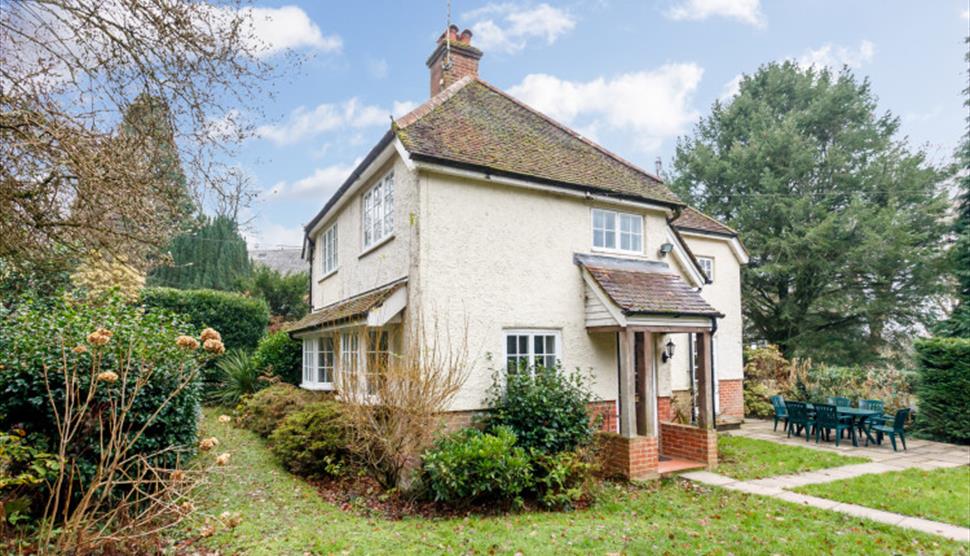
[{"x": 713, "y": 374}]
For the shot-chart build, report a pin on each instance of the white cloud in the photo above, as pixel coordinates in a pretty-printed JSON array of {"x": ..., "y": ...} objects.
[
  {"x": 508, "y": 27},
  {"x": 834, "y": 56},
  {"x": 288, "y": 27},
  {"x": 265, "y": 235},
  {"x": 319, "y": 185},
  {"x": 655, "y": 105},
  {"x": 745, "y": 11},
  {"x": 350, "y": 114},
  {"x": 965, "y": 14},
  {"x": 731, "y": 88}
]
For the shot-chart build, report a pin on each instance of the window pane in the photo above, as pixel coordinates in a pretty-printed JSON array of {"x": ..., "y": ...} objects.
[
  {"x": 610, "y": 221},
  {"x": 598, "y": 240},
  {"x": 510, "y": 344},
  {"x": 523, "y": 345},
  {"x": 610, "y": 240}
]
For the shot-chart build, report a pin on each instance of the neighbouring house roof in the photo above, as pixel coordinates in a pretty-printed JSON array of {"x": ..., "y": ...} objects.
[
  {"x": 349, "y": 309},
  {"x": 283, "y": 260},
  {"x": 645, "y": 287},
  {"x": 474, "y": 125},
  {"x": 694, "y": 220}
]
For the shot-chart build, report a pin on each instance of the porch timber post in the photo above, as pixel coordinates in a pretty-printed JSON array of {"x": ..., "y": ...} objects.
[
  {"x": 628, "y": 417},
  {"x": 648, "y": 404},
  {"x": 705, "y": 382}
]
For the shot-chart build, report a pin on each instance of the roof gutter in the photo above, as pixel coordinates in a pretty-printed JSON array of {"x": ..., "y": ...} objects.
[{"x": 475, "y": 171}]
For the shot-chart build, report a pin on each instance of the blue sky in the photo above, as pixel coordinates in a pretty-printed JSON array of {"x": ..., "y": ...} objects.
[{"x": 632, "y": 75}]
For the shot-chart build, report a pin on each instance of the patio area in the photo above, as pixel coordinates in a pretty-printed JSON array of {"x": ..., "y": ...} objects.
[{"x": 922, "y": 454}]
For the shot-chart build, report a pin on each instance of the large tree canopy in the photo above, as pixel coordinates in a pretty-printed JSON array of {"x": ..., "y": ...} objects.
[{"x": 843, "y": 220}]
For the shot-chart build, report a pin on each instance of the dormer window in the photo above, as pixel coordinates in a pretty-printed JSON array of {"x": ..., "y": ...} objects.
[
  {"x": 378, "y": 213},
  {"x": 617, "y": 231}
]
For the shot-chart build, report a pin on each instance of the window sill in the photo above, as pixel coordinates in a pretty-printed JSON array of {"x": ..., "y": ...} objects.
[
  {"x": 632, "y": 254},
  {"x": 375, "y": 246},
  {"x": 327, "y": 275},
  {"x": 318, "y": 386}
]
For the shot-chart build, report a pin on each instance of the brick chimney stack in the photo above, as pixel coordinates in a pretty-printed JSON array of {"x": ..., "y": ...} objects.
[{"x": 464, "y": 59}]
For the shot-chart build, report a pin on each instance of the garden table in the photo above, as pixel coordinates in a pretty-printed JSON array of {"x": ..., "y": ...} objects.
[{"x": 859, "y": 417}]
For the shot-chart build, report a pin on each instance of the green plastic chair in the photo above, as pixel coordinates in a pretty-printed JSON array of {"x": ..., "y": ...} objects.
[
  {"x": 799, "y": 417},
  {"x": 840, "y": 401},
  {"x": 892, "y": 431},
  {"x": 874, "y": 405},
  {"x": 781, "y": 412},
  {"x": 827, "y": 419}
]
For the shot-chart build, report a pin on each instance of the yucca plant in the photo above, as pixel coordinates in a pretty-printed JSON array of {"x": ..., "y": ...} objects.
[{"x": 237, "y": 376}]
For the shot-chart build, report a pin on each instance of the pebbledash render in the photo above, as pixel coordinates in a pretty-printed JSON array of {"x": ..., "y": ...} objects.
[{"x": 542, "y": 247}]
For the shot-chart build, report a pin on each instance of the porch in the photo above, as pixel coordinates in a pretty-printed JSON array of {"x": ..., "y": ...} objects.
[{"x": 641, "y": 303}]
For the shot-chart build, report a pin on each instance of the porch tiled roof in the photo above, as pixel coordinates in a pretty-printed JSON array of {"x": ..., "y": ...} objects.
[
  {"x": 645, "y": 287},
  {"x": 349, "y": 309},
  {"x": 693, "y": 219},
  {"x": 474, "y": 124}
]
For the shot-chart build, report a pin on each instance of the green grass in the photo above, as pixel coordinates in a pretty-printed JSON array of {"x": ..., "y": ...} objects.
[
  {"x": 940, "y": 495},
  {"x": 749, "y": 458},
  {"x": 283, "y": 515}
]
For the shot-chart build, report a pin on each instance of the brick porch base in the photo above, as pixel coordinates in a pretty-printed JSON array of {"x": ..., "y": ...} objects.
[
  {"x": 629, "y": 458},
  {"x": 690, "y": 443}
]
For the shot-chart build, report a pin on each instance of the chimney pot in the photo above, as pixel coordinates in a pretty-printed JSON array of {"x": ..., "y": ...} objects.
[{"x": 466, "y": 36}]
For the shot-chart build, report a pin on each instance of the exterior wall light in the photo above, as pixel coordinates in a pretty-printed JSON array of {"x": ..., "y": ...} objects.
[
  {"x": 668, "y": 352},
  {"x": 665, "y": 249}
]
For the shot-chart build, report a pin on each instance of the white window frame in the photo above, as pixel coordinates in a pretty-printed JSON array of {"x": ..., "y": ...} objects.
[
  {"x": 708, "y": 270},
  {"x": 377, "y": 212},
  {"x": 617, "y": 234},
  {"x": 313, "y": 355},
  {"x": 530, "y": 354},
  {"x": 328, "y": 251},
  {"x": 350, "y": 352}
]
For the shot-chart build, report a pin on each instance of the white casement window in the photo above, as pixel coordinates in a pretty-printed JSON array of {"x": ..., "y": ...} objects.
[
  {"x": 617, "y": 231},
  {"x": 328, "y": 256},
  {"x": 349, "y": 352},
  {"x": 318, "y": 366},
  {"x": 378, "y": 211},
  {"x": 707, "y": 265},
  {"x": 377, "y": 360},
  {"x": 528, "y": 349}
]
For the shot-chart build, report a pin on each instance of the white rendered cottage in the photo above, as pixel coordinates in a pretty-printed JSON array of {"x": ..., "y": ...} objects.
[{"x": 544, "y": 247}]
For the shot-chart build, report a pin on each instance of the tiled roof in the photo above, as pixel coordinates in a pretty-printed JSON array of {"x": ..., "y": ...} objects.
[
  {"x": 693, "y": 219},
  {"x": 474, "y": 124},
  {"x": 644, "y": 287},
  {"x": 284, "y": 260},
  {"x": 351, "y": 308}
]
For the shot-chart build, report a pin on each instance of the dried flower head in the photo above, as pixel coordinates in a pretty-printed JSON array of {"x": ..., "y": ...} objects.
[
  {"x": 178, "y": 475},
  {"x": 225, "y": 419},
  {"x": 210, "y": 334},
  {"x": 100, "y": 337},
  {"x": 223, "y": 458},
  {"x": 108, "y": 376},
  {"x": 230, "y": 519},
  {"x": 187, "y": 342},
  {"x": 79, "y": 349},
  {"x": 214, "y": 346},
  {"x": 187, "y": 507},
  {"x": 207, "y": 444},
  {"x": 207, "y": 530}
]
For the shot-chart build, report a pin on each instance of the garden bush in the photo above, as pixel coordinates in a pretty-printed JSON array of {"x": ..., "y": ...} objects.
[
  {"x": 241, "y": 320},
  {"x": 37, "y": 336},
  {"x": 894, "y": 387},
  {"x": 563, "y": 479},
  {"x": 547, "y": 410},
  {"x": 236, "y": 377},
  {"x": 313, "y": 441},
  {"x": 942, "y": 387},
  {"x": 265, "y": 409},
  {"x": 472, "y": 466},
  {"x": 280, "y": 355}
]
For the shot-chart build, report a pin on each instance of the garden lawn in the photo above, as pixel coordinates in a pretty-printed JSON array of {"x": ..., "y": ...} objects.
[
  {"x": 281, "y": 514},
  {"x": 940, "y": 495},
  {"x": 749, "y": 458}
]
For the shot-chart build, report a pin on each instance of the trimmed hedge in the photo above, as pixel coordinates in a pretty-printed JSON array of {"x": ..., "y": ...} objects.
[
  {"x": 241, "y": 320},
  {"x": 280, "y": 355},
  {"x": 267, "y": 408},
  {"x": 942, "y": 388}
]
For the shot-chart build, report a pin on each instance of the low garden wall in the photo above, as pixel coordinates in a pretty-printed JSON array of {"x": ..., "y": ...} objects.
[
  {"x": 628, "y": 458},
  {"x": 687, "y": 442}
]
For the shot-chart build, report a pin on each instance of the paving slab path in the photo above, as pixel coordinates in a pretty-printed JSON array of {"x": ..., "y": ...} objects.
[{"x": 922, "y": 454}]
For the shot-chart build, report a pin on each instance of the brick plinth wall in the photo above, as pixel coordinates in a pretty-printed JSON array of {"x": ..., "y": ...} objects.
[
  {"x": 730, "y": 395},
  {"x": 604, "y": 415},
  {"x": 628, "y": 458},
  {"x": 690, "y": 443},
  {"x": 664, "y": 411},
  {"x": 456, "y": 420}
]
